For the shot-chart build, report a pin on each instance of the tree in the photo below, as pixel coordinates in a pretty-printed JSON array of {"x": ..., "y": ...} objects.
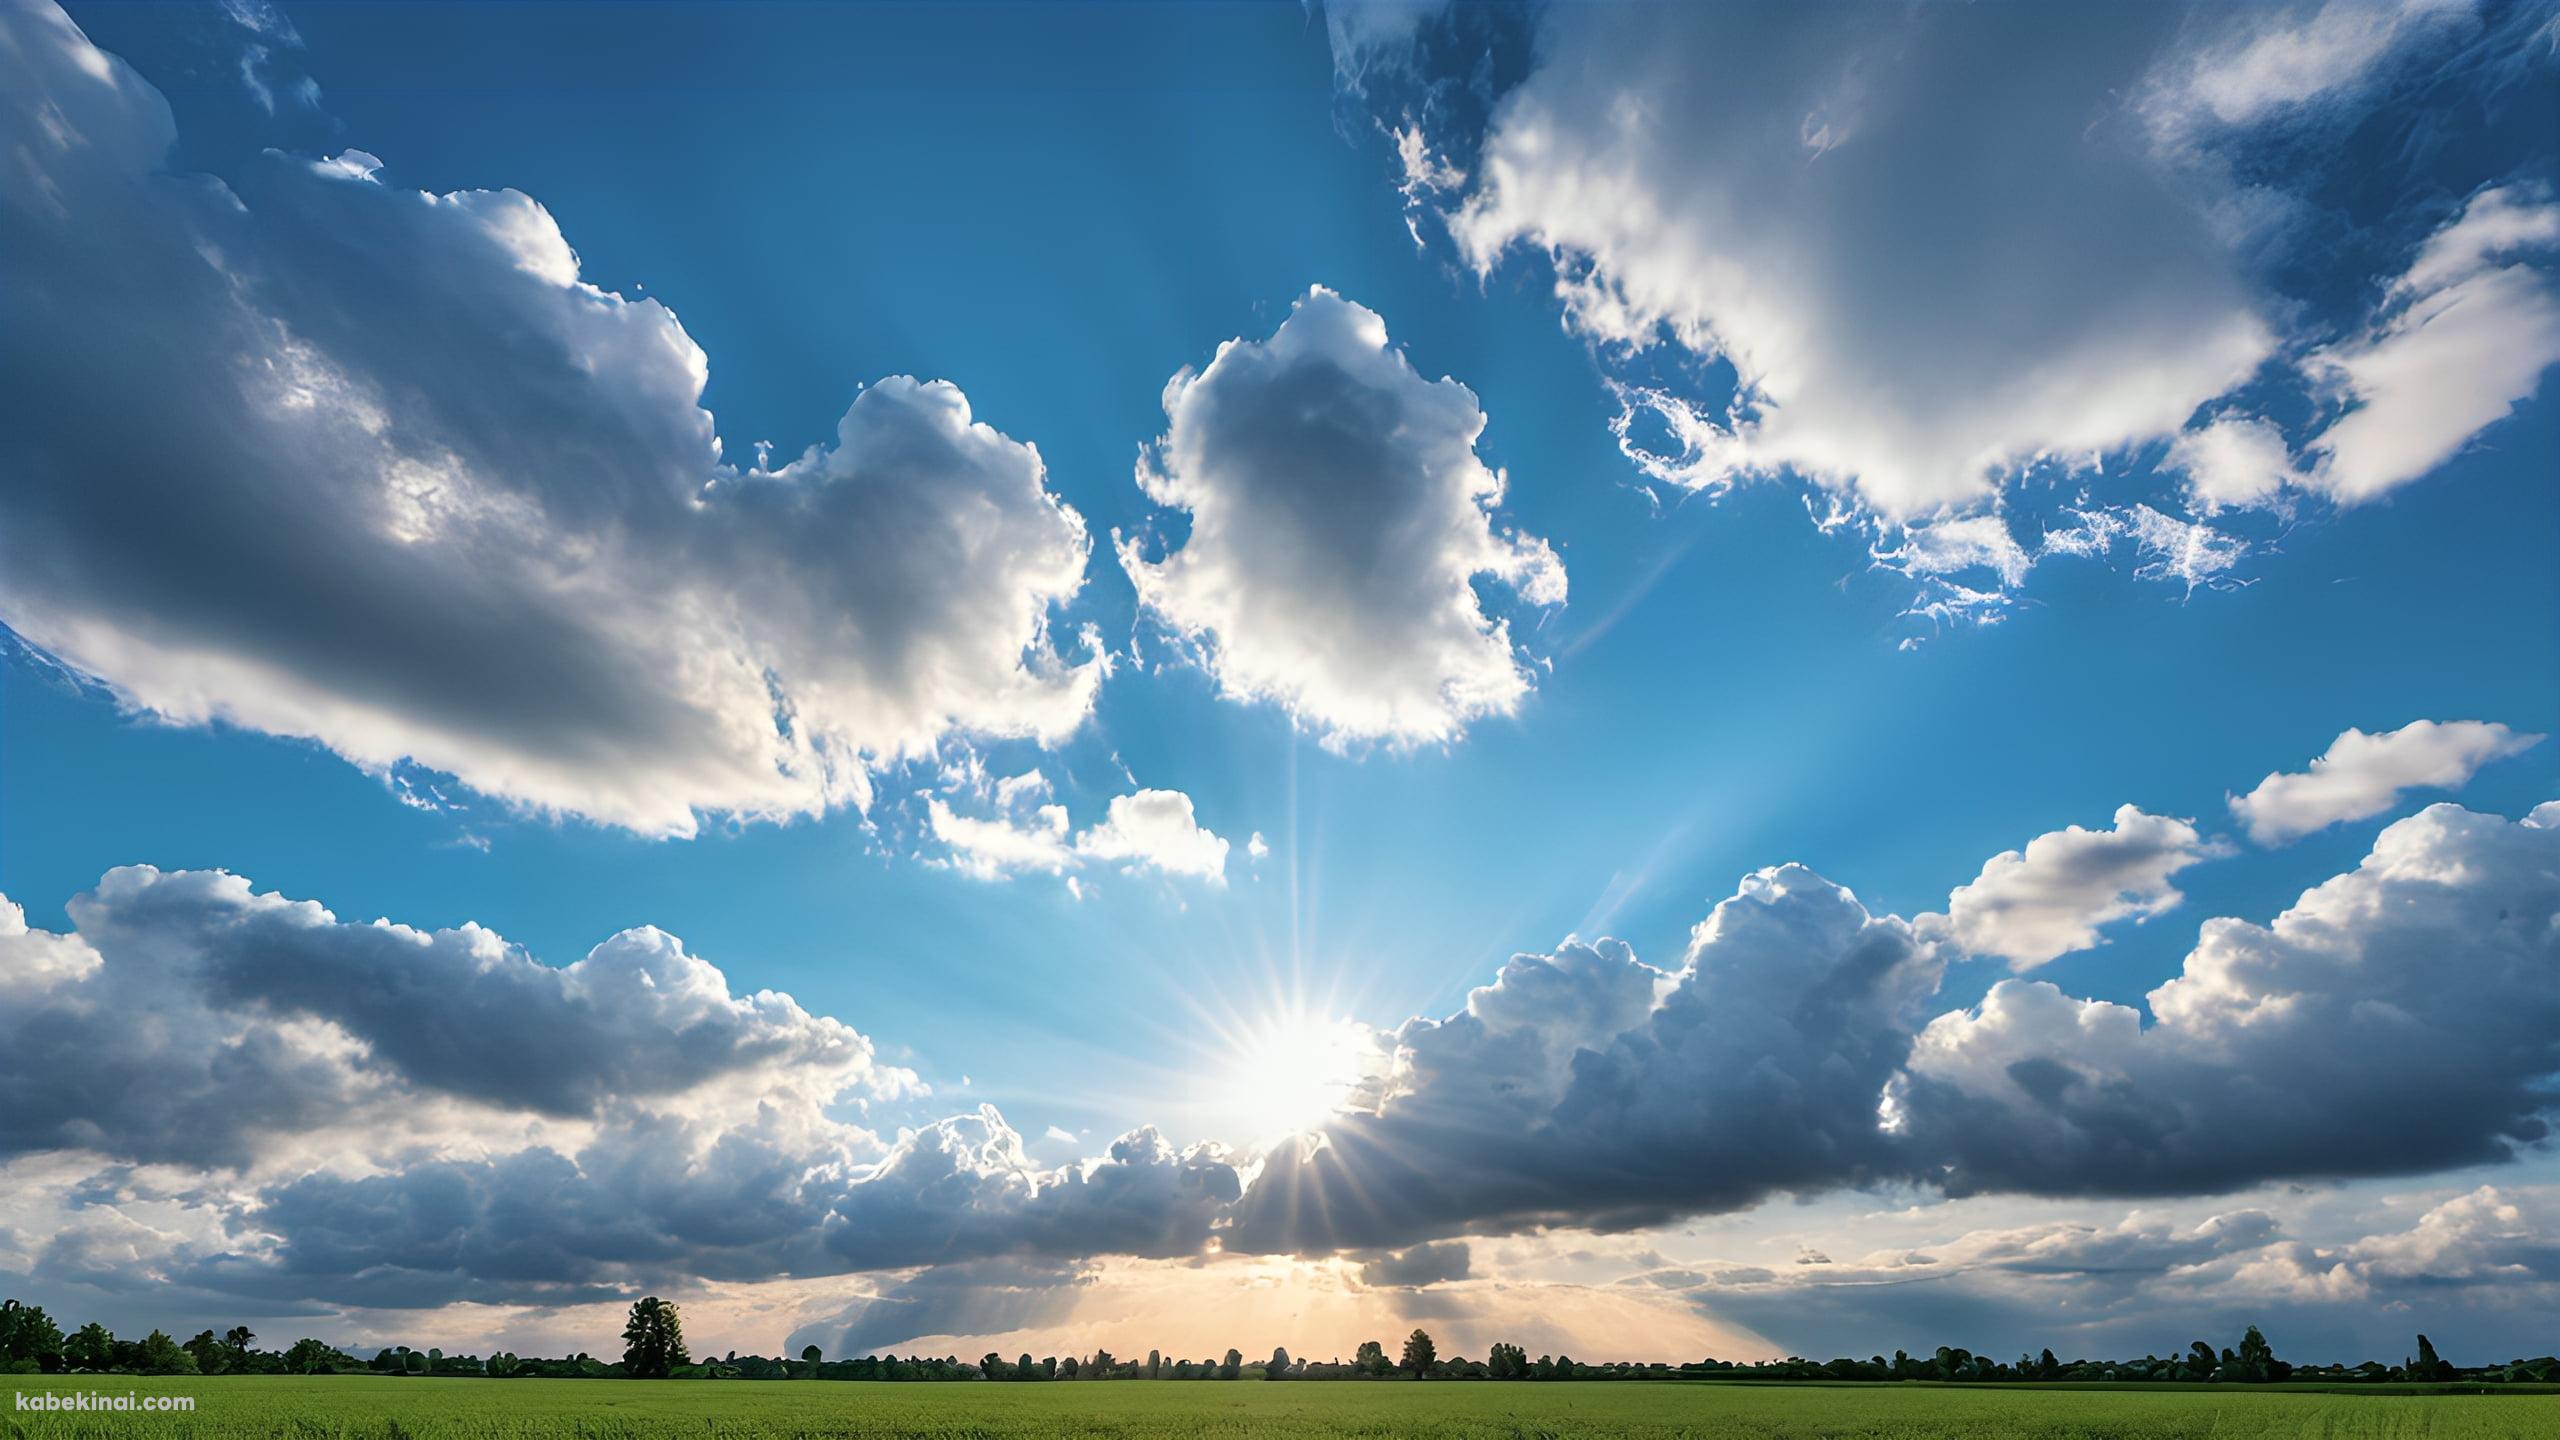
[
  {"x": 413, "y": 1362},
  {"x": 237, "y": 1339},
  {"x": 1232, "y": 1366},
  {"x": 1278, "y": 1368},
  {"x": 92, "y": 1347},
  {"x": 29, "y": 1340},
  {"x": 1420, "y": 1354},
  {"x": 208, "y": 1353},
  {"x": 2428, "y": 1365},
  {"x": 1371, "y": 1358},
  {"x": 810, "y": 1357},
  {"x": 653, "y": 1340},
  {"x": 1023, "y": 1369},
  {"x": 309, "y": 1357},
  {"x": 1155, "y": 1364},
  {"x": 161, "y": 1355},
  {"x": 991, "y": 1365},
  {"x": 1507, "y": 1362}
]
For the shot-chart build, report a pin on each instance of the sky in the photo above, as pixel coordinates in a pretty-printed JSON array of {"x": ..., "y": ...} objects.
[{"x": 1812, "y": 680}]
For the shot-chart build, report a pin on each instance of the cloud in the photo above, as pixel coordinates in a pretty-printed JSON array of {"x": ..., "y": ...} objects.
[
  {"x": 2462, "y": 339},
  {"x": 1419, "y": 1266},
  {"x": 2235, "y": 460},
  {"x": 2051, "y": 899},
  {"x": 212, "y": 1025},
  {"x": 986, "y": 1297},
  {"x": 1146, "y": 829},
  {"x": 326, "y": 458},
  {"x": 1339, "y": 518},
  {"x": 2364, "y": 775},
  {"x": 1586, "y": 1088},
  {"x": 2399, "y": 1018},
  {"x": 392, "y": 1117},
  {"x": 2325, "y": 1285},
  {"x": 1919, "y": 292},
  {"x": 2266, "y": 62},
  {"x": 1156, "y": 829}
]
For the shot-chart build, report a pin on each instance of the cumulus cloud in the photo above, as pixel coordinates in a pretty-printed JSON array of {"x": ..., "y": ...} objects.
[
  {"x": 202, "y": 1022},
  {"x": 2398, "y": 1018},
  {"x": 327, "y": 458},
  {"x": 1156, "y": 829},
  {"x": 1146, "y": 829},
  {"x": 395, "y": 1117},
  {"x": 1917, "y": 295},
  {"x": 2364, "y": 775},
  {"x": 1339, "y": 519},
  {"x": 2462, "y": 339},
  {"x": 1856, "y": 250},
  {"x": 1586, "y": 1088},
  {"x": 379, "y": 1116},
  {"x": 2030, "y": 906}
]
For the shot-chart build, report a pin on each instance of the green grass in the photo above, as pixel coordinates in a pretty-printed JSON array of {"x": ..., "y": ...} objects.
[{"x": 358, "y": 1405}]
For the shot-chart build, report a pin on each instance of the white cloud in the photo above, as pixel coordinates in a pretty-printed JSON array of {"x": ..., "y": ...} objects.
[
  {"x": 1964, "y": 275},
  {"x": 2233, "y": 460},
  {"x": 2363, "y": 775},
  {"x": 327, "y": 458},
  {"x": 989, "y": 847},
  {"x": 2272, "y": 59},
  {"x": 2463, "y": 338},
  {"x": 1156, "y": 829},
  {"x": 2030, "y": 906},
  {"x": 1339, "y": 517},
  {"x": 1151, "y": 829}
]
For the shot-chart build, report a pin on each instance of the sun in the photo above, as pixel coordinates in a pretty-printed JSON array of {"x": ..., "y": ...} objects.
[{"x": 1292, "y": 1072}]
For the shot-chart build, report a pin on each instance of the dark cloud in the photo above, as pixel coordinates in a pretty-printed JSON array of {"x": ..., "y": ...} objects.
[
  {"x": 394, "y": 1149},
  {"x": 217, "y": 1023},
  {"x": 324, "y": 457},
  {"x": 2475, "y": 1266},
  {"x": 986, "y": 1297},
  {"x": 1421, "y": 1265}
]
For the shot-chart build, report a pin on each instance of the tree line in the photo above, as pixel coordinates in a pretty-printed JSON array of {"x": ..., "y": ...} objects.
[{"x": 654, "y": 1348}]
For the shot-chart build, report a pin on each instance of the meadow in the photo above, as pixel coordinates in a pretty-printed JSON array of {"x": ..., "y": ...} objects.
[{"x": 452, "y": 1409}]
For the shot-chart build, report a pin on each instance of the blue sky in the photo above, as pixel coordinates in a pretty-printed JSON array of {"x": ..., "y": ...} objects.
[{"x": 1058, "y": 208}]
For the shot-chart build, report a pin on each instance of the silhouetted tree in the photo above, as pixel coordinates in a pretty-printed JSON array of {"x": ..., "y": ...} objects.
[
  {"x": 1371, "y": 1358},
  {"x": 810, "y": 1356},
  {"x": 1155, "y": 1364},
  {"x": 1232, "y": 1366},
  {"x": 1278, "y": 1368},
  {"x": 2428, "y": 1365},
  {"x": 207, "y": 1353},
  {"x": 653, "y": 1340},
  {"x": 991, "y": 1365},
  {"x": 1507, "y": 1362},
  {"x": 1420, "y": 1354}
]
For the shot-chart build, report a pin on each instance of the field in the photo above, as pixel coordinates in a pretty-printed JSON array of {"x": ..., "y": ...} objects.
[{"x": 1140, "y": 1410}]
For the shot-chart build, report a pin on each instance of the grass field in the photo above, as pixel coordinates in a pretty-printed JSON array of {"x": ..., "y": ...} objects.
[{"x": 1140, "y": 1410}]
